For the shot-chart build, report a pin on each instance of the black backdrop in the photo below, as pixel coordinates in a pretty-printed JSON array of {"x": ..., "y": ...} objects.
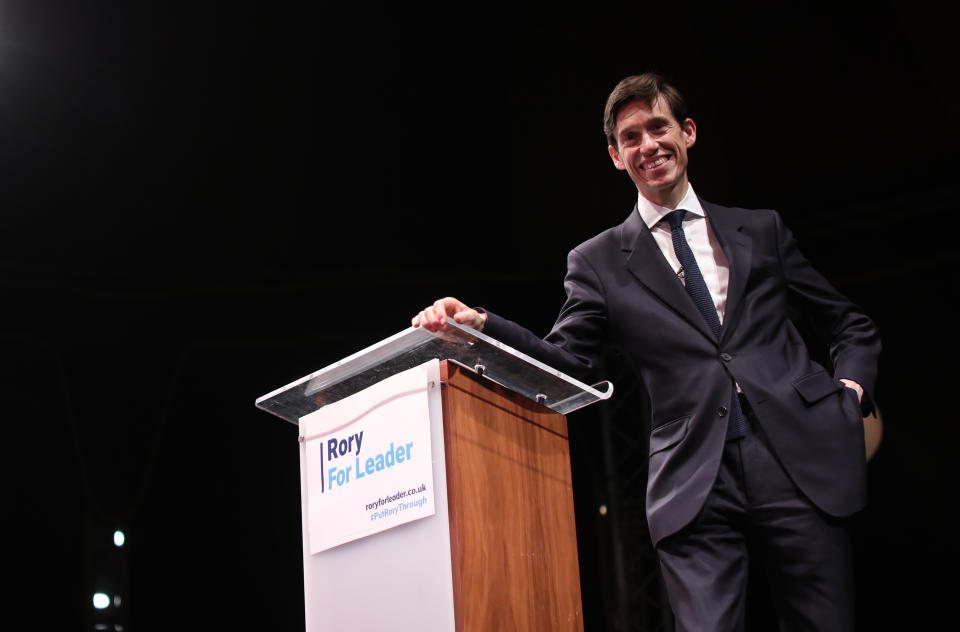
[{"x": 203, "y": 203}]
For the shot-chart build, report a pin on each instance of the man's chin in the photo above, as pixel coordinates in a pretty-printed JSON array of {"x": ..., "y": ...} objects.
[{"x": 663, "y": 191}]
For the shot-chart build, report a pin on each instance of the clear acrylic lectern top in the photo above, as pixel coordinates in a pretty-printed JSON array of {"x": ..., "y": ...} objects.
[{"x": 412, "y": 347}]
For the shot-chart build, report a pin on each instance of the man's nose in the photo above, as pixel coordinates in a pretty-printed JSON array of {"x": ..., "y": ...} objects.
[{"x": 648, "y": 145}]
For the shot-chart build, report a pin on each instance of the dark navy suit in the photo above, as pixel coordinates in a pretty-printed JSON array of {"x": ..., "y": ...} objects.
[{"x": 621, "y": 291}]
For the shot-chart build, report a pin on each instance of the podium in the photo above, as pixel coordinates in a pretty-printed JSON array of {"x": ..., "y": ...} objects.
[{"x": 500, "y": 550}]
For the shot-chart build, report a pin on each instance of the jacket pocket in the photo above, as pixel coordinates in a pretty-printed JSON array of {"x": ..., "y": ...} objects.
[
  {"x": 669, "y": 434},
  {"x": 815, "y": 386}
]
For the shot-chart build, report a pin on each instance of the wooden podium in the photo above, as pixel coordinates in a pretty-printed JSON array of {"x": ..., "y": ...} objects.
[
  {"x": 510, "y": 497},
  {"x": 500, "y": 553}
]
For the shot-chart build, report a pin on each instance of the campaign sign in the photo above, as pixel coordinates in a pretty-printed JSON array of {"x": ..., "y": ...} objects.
[{"x": 368, "y": 459}]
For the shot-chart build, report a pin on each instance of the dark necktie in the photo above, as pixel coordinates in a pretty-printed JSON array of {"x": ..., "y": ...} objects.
[{"x": 698, "y": 291}]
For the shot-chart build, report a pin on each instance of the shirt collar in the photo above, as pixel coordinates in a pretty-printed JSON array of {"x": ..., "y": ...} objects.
[{"x": 653, "y": 213}]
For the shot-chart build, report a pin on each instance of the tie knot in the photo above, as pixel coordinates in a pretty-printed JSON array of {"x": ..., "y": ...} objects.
[{"x": 676, "y": 218}]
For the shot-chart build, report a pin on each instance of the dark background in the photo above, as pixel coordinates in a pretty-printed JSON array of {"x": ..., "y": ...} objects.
[{"x": 203, "y": 203}]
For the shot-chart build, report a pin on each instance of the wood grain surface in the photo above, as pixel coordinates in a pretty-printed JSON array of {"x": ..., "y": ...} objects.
[{"x": 513, "y": 535}]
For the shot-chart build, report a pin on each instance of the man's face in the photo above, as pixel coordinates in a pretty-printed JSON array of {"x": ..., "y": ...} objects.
[{"x": 652, "y": 148}]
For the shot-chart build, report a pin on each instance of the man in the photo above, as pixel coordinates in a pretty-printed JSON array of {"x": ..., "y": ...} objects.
[{"x": 755, "y": 449}]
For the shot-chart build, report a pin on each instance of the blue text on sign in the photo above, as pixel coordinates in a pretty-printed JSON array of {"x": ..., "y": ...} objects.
[{"x": 338, "y": 476}]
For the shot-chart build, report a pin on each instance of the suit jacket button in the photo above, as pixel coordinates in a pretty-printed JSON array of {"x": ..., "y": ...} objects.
[
  {"x": 722, "y": 411},
  {"x": 726, "y": 357}
]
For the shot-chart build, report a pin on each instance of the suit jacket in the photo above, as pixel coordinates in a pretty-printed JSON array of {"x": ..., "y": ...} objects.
[{"x": 621, "y": 291}]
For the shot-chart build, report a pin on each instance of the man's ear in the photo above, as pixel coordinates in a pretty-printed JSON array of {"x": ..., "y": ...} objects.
[
  {"x": 615, "y": 157},
  {"x": 690, "y": 132}
]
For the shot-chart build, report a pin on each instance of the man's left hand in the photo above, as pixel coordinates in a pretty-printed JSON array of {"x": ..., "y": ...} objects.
[{"x": 854, "y": 386}]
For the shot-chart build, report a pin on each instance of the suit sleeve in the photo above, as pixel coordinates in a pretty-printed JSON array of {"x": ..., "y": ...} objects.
[
  {"x": 574, "y": 343},
  {"x": 853, "y": 337}
]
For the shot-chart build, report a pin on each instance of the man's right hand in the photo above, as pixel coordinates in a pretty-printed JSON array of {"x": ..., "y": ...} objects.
[{"x": 434, "y": 317}]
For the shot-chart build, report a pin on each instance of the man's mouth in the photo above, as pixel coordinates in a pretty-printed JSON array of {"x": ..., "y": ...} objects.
[{"x": 653, "y": 164}]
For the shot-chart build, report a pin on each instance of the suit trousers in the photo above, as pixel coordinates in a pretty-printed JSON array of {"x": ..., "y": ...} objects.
[{"x": 756, "y": 517}]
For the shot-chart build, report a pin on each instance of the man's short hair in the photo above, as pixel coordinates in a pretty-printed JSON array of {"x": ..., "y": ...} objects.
[{"x": 647, "y": 87}]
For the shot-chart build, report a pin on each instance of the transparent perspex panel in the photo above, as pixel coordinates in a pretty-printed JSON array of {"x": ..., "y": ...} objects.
[{"x": 413, "y": 346}]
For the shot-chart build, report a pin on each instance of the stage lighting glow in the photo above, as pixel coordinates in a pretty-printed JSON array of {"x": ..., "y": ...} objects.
[
  {"x": 101, "y": 601},
  {"x": 119, "y": 538}
]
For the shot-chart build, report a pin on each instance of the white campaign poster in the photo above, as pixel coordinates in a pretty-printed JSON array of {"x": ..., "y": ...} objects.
[{"x": 368, "y": 459}]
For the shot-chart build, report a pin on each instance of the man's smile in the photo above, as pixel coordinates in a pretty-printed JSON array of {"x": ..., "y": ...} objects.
[{"x": 653, "y": 164}]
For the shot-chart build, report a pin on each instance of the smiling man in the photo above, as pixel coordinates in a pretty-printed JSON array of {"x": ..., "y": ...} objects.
[
  {"x": 755, "y": 448},
  {"x": 651, "y": 145}
]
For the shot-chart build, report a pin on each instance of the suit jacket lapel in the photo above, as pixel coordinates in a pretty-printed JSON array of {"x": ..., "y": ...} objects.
[
  {"x": 737, "y": 246},
  {"x": 650, "y": 267}
]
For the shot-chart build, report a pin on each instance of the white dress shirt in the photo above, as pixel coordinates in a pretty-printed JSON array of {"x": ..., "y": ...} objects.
[{"x": 703, "y": 242}]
